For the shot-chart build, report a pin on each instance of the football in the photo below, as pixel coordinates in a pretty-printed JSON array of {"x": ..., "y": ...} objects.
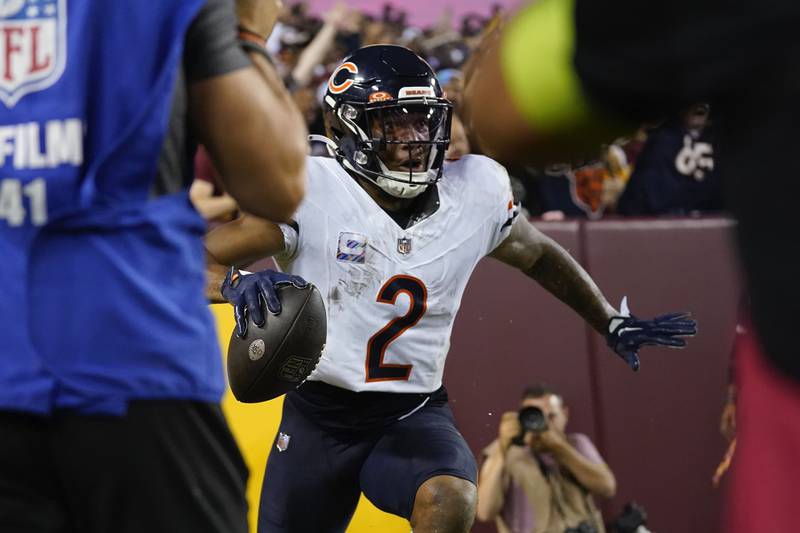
[{"x": 273, "y": 359}]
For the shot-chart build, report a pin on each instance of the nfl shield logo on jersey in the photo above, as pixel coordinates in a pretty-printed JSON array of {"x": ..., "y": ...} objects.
[
  {"x": 404, "y": 245},
  {"x": 33, "y": 46},
  {"x": 352, "y": 247}
]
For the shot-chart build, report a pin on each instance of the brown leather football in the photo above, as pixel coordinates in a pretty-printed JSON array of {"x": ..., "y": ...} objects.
[{"x": 273, "y": 359}]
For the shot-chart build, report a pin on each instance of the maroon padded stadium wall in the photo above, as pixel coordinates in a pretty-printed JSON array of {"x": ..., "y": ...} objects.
[{"x": 658, "y": 429}]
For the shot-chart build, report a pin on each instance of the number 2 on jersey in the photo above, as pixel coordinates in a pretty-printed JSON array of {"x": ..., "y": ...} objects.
[{"x": 376, "y": 347}]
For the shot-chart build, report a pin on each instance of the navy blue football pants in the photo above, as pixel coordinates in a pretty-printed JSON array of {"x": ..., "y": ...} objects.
[{"x": 314, "y": 484}]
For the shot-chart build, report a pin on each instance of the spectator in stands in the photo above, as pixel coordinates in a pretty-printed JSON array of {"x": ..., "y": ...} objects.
[
  {"x": 618, "y": 171},
  {"x": 542, "y": 481},
  {"x": 452, "y": 82},
  {"x": 674, "y": 174},
  {"x": 557, "y": 195},
  {"x": 633, "y": 146},
  {"x": 588, "y": 190},
  {"x": 459, "y": 142},
  {"x": 339, "y": 19}
]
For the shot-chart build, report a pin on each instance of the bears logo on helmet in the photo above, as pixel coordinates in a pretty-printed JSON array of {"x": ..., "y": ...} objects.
[{"x": 337, "y": 88}]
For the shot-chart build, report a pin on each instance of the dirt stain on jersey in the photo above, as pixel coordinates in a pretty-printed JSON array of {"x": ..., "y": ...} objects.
[{"x": 360, "y": 278}]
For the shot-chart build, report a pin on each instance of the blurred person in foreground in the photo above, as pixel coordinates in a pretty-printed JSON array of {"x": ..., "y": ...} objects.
[
  {"x": 110, "y": 372},
  {"x": 600, "y": 66},
  {"x": 728, "y": 417},
  {"x": 537, "y": 478}
]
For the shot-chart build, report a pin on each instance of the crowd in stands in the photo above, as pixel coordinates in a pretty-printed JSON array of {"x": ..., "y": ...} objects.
[{"x": 664, "y": 168}]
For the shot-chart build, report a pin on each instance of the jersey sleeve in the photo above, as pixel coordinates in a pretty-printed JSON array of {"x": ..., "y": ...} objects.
[
  {"x": 294, "y": 233},
  {"x": 307, "y": 220},
  {"x": 291, "y": 241},
  {"x": 499, "y": 203}
]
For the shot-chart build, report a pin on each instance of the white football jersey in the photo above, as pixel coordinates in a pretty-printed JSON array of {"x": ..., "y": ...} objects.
[{"x": 392, "y": 294}]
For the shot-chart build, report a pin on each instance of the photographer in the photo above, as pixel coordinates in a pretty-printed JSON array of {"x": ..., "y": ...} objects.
[{"x": 537, "y": 479}]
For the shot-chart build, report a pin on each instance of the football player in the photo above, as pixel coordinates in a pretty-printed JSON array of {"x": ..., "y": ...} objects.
[{"x": 390, "y": 234}]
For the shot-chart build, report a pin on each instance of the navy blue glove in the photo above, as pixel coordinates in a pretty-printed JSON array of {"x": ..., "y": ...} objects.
[
  {"x": 246, "y": 292},
  {"x": 626, "y": 333}
]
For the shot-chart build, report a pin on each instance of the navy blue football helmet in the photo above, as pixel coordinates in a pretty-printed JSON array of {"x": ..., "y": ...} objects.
[{"x": 388, "y": 119}]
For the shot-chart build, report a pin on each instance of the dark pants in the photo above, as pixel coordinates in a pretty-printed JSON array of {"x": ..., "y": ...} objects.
[
  {"x": 166, "y": 466},
  {"x": 322, "y": 459}
]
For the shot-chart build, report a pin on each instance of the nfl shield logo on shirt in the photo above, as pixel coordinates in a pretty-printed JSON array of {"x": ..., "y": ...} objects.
[
  {"x": 352, "y": 247},
  {"x": 283, "y": 442},
  {"x": 33, "y": 46}
]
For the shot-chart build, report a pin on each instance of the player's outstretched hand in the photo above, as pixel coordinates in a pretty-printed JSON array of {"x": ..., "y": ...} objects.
[
  {"x": 246, "y": 292},
  {"x": 626, "y": 333}
]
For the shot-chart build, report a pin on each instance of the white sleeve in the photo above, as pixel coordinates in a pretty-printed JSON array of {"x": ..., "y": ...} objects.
[
  {"x": 291, "y": 239},
  {"x": 502, "y": 208},
  {"x": 291, "y": 230}
]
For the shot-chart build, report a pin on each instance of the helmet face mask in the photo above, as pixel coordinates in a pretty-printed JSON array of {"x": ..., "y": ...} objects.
[{"x": 390, "y": 123}]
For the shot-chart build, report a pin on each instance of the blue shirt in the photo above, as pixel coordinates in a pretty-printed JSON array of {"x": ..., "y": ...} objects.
[{"x": 102, "y": 295}]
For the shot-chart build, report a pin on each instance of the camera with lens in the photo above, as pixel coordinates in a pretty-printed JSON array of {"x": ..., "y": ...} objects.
[{"x": 533, "y": 419}]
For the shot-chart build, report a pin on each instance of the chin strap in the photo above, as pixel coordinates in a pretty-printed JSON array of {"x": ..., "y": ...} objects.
[
  {"x": 329, "y": 144},
  {"x": 384, "y": 182}
]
